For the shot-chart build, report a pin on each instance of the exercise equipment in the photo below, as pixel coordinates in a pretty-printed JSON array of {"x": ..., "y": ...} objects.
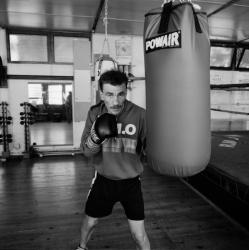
[
  {"x": 177, "y": 52},
  {"x": 26, "y": 119},
  {"x": 104, "y": 127},
  {"x": 5, "y": 136},
  {"x": 105, "y": 61}
]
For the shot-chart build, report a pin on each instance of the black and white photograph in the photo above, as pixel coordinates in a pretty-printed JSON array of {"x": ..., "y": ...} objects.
[{"x": 124, "y": 124}]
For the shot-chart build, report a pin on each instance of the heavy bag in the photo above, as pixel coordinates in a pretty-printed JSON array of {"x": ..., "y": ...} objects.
[{"x": 177, "y": 52}]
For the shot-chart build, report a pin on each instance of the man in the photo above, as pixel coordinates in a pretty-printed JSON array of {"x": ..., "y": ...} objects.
[
  {"x": 114, "y": 135},
  {"x": 68, "y": 107}
]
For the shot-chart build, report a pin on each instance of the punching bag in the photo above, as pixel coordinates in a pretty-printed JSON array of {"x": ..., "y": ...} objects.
[{"x": 177, "y": 55}]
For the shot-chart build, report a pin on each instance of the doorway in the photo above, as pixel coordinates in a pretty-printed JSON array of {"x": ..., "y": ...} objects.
[{"x": 51, "y": 106}]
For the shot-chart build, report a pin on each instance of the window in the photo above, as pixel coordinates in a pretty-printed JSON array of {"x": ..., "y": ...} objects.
[
  {"x": 28, "y": 48},
  {"x": 63, "y": 49},
  {"x": 35, "y": 94},
  {"x": 43, "y": 47},
  {"x": 55, "y": 94},
  {"x": 221, "y": 57},
  {"x": 245, "y": 60}
]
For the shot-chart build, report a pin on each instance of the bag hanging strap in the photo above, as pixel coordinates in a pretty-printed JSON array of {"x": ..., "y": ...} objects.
[
  {"x": 197, "y": 23},
  {"x": 165, "y": 15}
]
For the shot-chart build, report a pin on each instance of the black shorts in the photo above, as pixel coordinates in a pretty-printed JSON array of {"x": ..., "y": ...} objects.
[{"x": 105, "y": 193}]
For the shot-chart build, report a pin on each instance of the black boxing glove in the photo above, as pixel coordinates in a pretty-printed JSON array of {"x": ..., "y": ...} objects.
[{"x": 105, "y": 126}]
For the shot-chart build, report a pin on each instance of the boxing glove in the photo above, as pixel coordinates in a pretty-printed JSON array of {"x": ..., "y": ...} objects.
[{"x": 105, "y": 126}]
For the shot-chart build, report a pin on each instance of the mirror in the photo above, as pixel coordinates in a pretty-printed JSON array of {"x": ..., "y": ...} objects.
[{"x": 51, "y": 105}]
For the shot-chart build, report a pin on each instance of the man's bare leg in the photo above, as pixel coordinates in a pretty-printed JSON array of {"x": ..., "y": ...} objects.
[
  {"x": 139, "y": 235},
  {"x": 87, "y": 228}
]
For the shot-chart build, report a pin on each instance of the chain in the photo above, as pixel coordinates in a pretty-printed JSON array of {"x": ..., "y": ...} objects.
[
  {"x": 108, "y": 58},
  {"x": 105, "y": 21}
]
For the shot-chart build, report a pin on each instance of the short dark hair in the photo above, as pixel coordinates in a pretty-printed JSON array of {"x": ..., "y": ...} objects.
[{"x": 114, "y": 77}]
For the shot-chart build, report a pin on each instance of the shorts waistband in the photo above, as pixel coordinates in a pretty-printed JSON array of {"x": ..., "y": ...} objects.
[{"x": 118, "y": 180}]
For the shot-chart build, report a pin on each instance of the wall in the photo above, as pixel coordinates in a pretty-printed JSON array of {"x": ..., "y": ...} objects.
[
  {"x": 3, "y": 47},
  {"x": 82, "y": 88},
  {"x": 18, "y": 93},
  {"x": 17, "y": 90},
  {"x": 221, "y": 77},
  {"x": 229, "y": 100},
  {"x": 228, "y": 77},
  {"x": 137, "y": 91},
  {"x": 3, "y": 54}
]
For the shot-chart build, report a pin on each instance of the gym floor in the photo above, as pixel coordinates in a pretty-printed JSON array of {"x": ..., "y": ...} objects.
[
  {"x": 42, "y": 201},
  {"x": 51, "y": 133}
]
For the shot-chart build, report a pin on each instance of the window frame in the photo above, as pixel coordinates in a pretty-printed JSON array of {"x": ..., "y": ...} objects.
[
  {"x": 50, "y": 42},
  {"x": 8, "y": 33},
  {"x": 240, "y": 60},
  {"x": 59, "y": 34},
  {"x": 236, "y": 58},
  {"x": 224, "y": 45}
]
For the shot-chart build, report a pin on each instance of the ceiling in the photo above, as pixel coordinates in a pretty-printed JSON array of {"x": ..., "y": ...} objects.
[{"x": 228, "y": 19}]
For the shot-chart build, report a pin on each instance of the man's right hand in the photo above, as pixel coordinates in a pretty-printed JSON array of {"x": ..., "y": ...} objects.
[{"x": 105, "y": 126}]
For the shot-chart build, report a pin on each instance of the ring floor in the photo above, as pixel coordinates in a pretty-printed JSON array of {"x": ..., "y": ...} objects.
[
  {"x": 42, "y": 201},
  {"x": 230, "y": 154}
]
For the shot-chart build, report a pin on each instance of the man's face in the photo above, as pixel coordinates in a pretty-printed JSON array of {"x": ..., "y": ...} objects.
[{"x": 114, "y": 97}]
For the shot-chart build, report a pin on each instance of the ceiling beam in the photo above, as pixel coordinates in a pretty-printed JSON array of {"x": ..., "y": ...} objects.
[
  {"x": 224, "y": 6},
  {"x": 97, "y": 16}
]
